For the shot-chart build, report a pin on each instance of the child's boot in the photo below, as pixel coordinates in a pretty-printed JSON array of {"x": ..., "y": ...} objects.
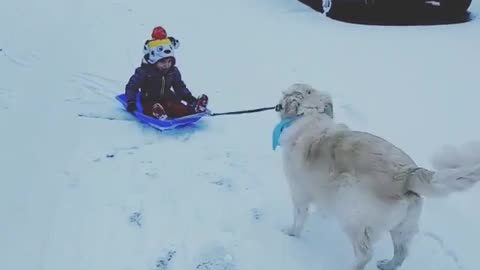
[{"x": 158, "y": 111}]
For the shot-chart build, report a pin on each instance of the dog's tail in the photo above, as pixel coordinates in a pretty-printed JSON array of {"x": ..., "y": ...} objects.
[{"x": 455, "y": 169}]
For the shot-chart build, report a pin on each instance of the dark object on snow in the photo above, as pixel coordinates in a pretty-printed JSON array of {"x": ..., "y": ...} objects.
[
  {"x": 110, "y": 155},
  {"x": 162, "y": 264},
  {"x": 136, "y": 218},
  {"x": 333, "y": 8}
]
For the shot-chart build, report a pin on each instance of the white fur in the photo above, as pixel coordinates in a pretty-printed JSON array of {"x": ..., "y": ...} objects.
[{"x": 370, "y": 185}]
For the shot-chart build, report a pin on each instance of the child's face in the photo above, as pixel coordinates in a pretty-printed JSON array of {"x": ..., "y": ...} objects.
[{"x": 164, "y": 64}]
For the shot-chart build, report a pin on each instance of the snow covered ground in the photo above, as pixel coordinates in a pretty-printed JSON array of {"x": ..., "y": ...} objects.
[{"x": 83, "y": 193}]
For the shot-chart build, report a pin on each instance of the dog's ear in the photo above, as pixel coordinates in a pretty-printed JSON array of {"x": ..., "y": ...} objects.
[{"x": 328, "y": 109}]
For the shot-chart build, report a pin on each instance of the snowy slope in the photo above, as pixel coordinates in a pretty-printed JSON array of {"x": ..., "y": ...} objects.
[{"x": 83, "y": 193}]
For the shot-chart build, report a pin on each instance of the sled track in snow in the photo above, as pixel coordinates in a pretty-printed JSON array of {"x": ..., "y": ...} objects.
[
  {"x": 5, "y": 98},
  {"x": 98, "y": 85},
  {"x": 448, "y": 251},
  {"x": 25, "y": 60}
]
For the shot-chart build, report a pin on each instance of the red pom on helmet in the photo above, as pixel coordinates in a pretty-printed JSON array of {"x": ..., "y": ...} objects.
[{"x": 159, "y": 33}]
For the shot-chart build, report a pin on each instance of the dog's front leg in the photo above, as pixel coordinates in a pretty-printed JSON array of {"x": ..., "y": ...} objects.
[
  {"x": 301, "y": 202},
  {"x": 300, "y": 213}
]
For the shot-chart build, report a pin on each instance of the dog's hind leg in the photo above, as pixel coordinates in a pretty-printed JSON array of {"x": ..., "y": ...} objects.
[
  {"x": 403, "y": 234},
  {"x": 361, "y": 239}
]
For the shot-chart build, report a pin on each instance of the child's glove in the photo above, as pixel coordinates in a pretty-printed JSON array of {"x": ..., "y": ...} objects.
[
  {"x": 131, "y": 107},
  {"x": 202, "y": 103}
]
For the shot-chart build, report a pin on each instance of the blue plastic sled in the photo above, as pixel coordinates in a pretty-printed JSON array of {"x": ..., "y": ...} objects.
[{"x": 169, "y": 123}]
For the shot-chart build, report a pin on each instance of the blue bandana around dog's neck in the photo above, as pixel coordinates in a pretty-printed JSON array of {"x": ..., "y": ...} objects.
[{"x": 277, "y": 131}]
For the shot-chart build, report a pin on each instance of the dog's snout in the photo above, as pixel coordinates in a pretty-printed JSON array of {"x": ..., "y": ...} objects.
[{"x": 278, "y": 107}]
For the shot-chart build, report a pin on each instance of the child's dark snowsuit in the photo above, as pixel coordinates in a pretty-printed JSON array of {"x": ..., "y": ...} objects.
[{"x": 157, "y": 88}]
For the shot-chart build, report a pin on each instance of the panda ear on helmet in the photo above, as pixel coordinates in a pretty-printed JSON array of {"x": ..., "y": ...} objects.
[{"x": 175, "y": 42}]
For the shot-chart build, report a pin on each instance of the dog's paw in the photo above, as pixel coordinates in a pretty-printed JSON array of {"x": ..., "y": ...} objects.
[
  {"x": 386, "y": 265},
  {"x": 290, "y": 231}
]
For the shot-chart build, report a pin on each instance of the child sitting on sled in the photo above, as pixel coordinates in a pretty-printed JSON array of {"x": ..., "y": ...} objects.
[{"x": 156, "y": 77}]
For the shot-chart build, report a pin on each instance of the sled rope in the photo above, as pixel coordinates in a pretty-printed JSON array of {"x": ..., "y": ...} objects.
[
  {"x": 276, "y": 107},
  {"x": 104, "y": 117}
]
